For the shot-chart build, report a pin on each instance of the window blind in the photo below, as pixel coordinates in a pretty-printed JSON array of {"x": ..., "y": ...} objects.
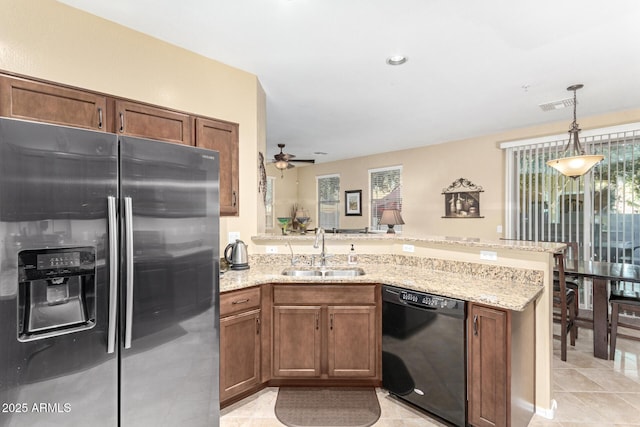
[
  {"x": 600, "y": 211},
  {"x": 385, "y": 186},
  {"x": 328, "y": 201},
  {"x": 268, "y": 203}
]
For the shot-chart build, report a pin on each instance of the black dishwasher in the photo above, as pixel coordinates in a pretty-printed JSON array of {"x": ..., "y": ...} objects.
[{"x": 424, "y": 352}]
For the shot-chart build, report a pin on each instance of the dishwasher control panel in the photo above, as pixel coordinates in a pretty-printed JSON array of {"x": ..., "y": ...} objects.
[
  {"x": 422, "y": 300},
  {"x": 427, "y": 300}
]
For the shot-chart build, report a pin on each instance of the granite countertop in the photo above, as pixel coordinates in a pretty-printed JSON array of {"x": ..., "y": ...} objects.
[
  {"x": 512, "y": 291},
  {"x": 520, "y": 245}
]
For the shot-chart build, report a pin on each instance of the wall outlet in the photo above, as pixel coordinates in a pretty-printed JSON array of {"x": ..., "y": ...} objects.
[
  {"x": 499, "y": 229},
  {"x": 233, "y": 236},
  {"x": 271, "y": 249},
  {"x": 408, "y": 248},
  {"x": 489, "y": 255}
]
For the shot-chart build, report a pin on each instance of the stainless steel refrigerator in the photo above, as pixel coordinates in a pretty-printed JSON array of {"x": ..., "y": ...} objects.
[{"x": 108, "y": 279}]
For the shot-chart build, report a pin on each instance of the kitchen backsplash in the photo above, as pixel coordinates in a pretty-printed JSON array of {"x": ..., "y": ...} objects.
[{"x": 484, "y": 271}]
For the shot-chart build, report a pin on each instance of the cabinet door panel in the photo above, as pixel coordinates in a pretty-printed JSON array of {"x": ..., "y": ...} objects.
[
  {"x": 488, "y": 367},
  {"x": 239, "y": 353},
  {"x": 352, "y": 341},
  {"x": 42, "y": 102},
  {"x": 296, "y": 341},
  {"x": 144, "y": 121},
  {"x": 222, "y": 137}
]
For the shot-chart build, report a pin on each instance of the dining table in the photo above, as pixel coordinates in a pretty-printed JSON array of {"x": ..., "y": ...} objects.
[{"x": 601, "y": 273}]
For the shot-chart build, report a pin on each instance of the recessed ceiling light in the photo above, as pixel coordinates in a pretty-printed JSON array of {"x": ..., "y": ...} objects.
[
  {"x": 396, "y": 60},
  {"x": 320, "y": 153}
]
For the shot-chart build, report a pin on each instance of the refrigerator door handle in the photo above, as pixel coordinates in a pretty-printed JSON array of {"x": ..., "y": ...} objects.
[
  {"x": 128, "y": 218},
  {"x": 113, "y": 273}
]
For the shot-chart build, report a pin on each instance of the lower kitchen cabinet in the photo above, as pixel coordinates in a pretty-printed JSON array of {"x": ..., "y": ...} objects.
[
  {"x": 239, "y": 353},
  {"x": 296, "y": 341},
  {"x": 328, "y": 332},
  {"x": 352, "y": 346},
  {"x": 240, "y": 342},
  {"x": 501, "y": 374}
]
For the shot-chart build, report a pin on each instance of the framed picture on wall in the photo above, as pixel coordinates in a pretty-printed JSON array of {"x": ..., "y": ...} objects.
[
  {"x": 353, "y": 202},
  {"x": 462, "y": 199}
]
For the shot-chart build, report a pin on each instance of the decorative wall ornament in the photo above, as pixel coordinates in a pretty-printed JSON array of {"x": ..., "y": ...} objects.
[
  {"x": 462, "y": 199},
  {"x": 262, "y": 176}
]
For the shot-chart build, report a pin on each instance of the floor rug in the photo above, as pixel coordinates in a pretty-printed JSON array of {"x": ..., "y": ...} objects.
[{"x": 327, "y": 406}]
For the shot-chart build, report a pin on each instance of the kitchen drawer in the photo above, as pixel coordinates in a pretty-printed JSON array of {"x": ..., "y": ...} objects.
[
  {"x": 324, "y": 294},
  {"x": 238, "y": 301}
]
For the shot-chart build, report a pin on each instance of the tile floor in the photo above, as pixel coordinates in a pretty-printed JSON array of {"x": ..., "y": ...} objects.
[{"x": 590, "y": 392}]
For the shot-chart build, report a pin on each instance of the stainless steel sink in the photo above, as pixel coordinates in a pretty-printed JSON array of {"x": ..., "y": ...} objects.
[
  {"x": 325, "y": 272},
  {"x": 293, "y": 272},
  {"x": 348, "y": 272}
]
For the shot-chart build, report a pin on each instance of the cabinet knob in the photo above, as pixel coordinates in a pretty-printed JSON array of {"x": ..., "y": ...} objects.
[
  {"x": 257, "y": 326},
  {"x": 99, "y": 118},
  {"x": 235, "y": 198},
  {"x": 121, "y": 122},
  {"x": 475, "y": 324}
]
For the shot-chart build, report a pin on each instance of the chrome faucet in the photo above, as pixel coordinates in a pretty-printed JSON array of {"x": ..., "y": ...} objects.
[
  {"x": 316, "y": 244},
  {"x": 294, "y": 259}
]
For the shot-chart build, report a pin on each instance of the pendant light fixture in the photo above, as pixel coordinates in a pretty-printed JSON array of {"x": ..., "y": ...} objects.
[{"x": 580, "y": 163}]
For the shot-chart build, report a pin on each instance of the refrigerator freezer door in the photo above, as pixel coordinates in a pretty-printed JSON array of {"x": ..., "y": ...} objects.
[
  {"x": 54, "y": 185},
  {"x": 170, "y": 337}
]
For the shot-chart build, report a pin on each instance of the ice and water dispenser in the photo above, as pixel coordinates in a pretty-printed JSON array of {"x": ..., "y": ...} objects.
[{"x": 57, "y": 291}]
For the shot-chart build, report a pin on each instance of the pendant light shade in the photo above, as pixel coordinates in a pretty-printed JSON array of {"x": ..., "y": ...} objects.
[
  {"x": 581, "y": 163},
  {"x": 575, "y": 166}
]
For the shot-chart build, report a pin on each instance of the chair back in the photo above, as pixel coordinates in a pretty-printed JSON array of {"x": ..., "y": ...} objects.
[
  {"x": 561, "y": 278},
  {"x": 571, "y": 254}
]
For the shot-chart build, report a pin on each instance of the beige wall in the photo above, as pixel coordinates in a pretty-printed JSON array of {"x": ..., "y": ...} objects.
[
  {"x": 52, "y": 41},
  {"x": 426, "y": 171},
  {"x": 286, "y": 191}
]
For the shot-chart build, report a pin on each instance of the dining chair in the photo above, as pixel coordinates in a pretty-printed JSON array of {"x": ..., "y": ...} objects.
[
  {"x": 620, "y": 299},
  {"x": 564, "y": 307},
  {"x": 573, "y": 282}
]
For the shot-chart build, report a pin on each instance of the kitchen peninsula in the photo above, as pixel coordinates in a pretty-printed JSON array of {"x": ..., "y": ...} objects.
[{"x": 503, "y": 277}]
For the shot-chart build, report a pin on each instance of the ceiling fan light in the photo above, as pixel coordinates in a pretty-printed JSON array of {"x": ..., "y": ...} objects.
[{"x": 281, "y": 164}]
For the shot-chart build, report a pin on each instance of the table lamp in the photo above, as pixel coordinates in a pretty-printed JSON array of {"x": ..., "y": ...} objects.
[{"x": 391, "y": 217}]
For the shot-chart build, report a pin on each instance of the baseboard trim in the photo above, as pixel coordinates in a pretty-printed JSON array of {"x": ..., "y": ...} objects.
[{"x": 548, "y": 413}]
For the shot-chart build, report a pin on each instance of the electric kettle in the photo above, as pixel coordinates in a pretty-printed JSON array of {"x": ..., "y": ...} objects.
[{"x": 239, "y": 259}]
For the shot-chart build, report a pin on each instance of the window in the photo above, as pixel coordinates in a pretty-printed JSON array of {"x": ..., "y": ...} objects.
[
  {"x": 268, "y": 203},
  {"x": 329, "y": 201},
  {"x": 600, "y": 211},
  {"x": 385, "y": 186}
]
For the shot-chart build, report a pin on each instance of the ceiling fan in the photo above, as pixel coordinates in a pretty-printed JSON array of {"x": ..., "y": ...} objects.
[{"x": 283, "y": 161}]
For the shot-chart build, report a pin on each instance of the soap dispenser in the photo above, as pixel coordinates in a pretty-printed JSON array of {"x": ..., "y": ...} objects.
[{"x": 352, "y": 258}]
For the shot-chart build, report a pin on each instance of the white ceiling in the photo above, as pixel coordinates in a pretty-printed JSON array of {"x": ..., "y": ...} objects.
[{"x": 474, "y": 68}]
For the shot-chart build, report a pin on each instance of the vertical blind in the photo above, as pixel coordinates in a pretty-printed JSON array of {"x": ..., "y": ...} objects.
[
  {"x": 385, "y": 193},
  {"x": 268, "y": 203},
  {"x": 328, "y": 201},
  {"x": 600, "y": 210}
]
